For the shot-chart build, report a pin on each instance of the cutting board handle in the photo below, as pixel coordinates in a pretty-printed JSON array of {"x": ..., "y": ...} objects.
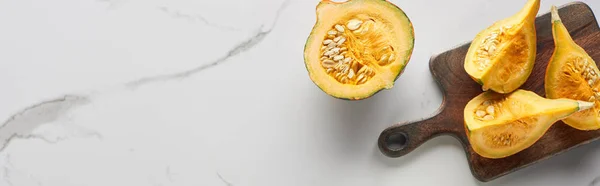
[{"x": 401, "y": 139}]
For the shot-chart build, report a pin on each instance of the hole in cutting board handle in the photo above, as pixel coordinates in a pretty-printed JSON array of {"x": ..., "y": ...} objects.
[{"x": 396, "y": 141}]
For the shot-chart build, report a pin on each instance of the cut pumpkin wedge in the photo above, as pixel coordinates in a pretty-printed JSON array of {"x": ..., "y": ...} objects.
[
  {"x": 571, "y": 73},
  {"x": 501, "y": 57},
  {"x": 500, "y": 125}
]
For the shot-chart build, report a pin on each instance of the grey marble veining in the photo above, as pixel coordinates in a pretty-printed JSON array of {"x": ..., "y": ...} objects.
[
  {"x": 245, "y": 45},
  {"x": 195, "y": 18},
  {"x": 19, "y": 124}
]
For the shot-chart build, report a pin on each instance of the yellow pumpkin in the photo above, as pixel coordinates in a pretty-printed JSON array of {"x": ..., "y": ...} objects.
[{"x": 358, "y": 47}]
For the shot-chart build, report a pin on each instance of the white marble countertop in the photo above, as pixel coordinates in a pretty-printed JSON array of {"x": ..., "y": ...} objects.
[{"x": 210, "y": 93}]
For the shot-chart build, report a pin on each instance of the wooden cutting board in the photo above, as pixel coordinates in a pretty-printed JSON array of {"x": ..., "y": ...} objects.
[{"x": 458, "y": 89}]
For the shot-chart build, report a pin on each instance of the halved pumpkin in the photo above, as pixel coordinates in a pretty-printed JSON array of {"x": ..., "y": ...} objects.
[
  {"x": 573, "y": 74},
  {"x": 500, "y": 125},
  {"x": 501, "y": 57},
  {"x": 358, "y": 47}
]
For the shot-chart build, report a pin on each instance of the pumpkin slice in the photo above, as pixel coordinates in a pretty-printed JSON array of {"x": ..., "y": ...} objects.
[
  {"x": 500, "y": 125},
  {"x": 501, "y": 57},
  {"x": 358, "y": 47},
  {"x": 572, "y": 73}
]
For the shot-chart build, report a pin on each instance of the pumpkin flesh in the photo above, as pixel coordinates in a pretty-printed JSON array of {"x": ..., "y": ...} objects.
[
  {"x": 500, "y": 125},
  {"x": 501, "y": 57},
  {"x": 571, "y": 73},
  {"x": 384, "y": 32}
]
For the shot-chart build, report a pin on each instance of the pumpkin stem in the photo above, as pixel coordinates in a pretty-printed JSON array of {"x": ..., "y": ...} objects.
[
  {"x": 585, "y": 105},
  {"x": 555, "y": 16},
  {"x": 562, "y": 37},
  {"x": 530, "y": 10}
]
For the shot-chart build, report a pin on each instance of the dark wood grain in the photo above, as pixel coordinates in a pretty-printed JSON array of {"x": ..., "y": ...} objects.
[{"x": 458, "y": 89}]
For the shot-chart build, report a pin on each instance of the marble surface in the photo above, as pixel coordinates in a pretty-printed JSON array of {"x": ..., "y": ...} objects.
[{"x": 198, "y": 92}]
